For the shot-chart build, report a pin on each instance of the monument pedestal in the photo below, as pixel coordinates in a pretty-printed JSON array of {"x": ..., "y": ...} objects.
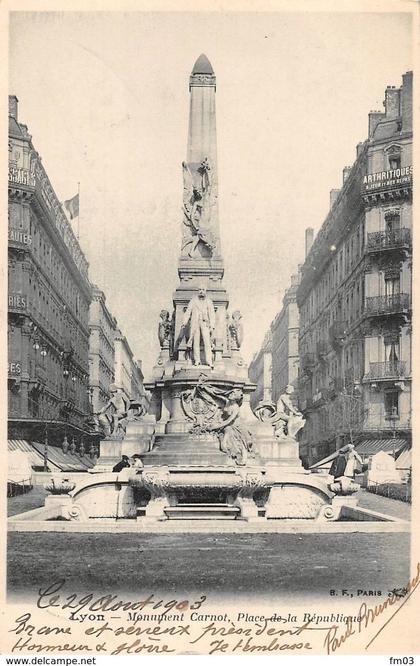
[
  {"x": 275, "y": 452},
  {"x": 139, "y": 436},
  {"x": 110, "y": 453}
]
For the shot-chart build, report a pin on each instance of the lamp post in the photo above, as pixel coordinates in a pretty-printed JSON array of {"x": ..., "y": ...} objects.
[{"x": 393, "y": 418}]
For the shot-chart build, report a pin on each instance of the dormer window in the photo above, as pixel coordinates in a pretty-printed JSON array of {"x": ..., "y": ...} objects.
[
  {"x": 394, "y": 161},
  {"x": 393, "y": 154}
]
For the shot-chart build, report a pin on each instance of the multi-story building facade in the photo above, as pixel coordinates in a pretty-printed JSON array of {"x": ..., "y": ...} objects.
[
  {"x": 276, "y": 364},
  {"x": 48, "y": 303},
  {"x": 103, "y": 328},
  {"x": 355, "y": 297},
  {"x": 128, "y": 373},
  {"x": 285, "y": 340},
  {"x": 260, "y": 372}
]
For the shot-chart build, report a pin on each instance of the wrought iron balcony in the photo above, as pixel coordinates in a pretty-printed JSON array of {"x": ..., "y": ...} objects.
[
  {"x": 383, "y": 305},
  {"x": 386, "y": 369},
  {"x": 389, "y": 240}
]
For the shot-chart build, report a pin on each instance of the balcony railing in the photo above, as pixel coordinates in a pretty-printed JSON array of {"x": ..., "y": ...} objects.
[
  {"x": 381, "y": 305},
  {"x": 388, "y": 240},
  {"x": 384, "y": 369}
]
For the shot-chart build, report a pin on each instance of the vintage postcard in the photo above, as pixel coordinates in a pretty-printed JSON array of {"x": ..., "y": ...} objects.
[{"x": 210, "y": 353}]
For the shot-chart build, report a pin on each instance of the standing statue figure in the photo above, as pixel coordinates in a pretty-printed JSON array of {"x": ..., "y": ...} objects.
[
  {"x": 200, "y": 315},
  {"x": 165, "y": 329},
  {"x": 236, "y": 330},
  {"x": 196, "y": 208},
  {"x": 284, "y": 417},
  {"x": 112, "y": 415}
]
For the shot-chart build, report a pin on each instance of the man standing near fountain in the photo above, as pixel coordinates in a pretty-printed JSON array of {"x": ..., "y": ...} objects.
[{"x": 202, "y": 319}]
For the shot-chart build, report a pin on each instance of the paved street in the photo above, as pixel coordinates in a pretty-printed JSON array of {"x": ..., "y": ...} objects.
[{"x": 276, "y": 564}]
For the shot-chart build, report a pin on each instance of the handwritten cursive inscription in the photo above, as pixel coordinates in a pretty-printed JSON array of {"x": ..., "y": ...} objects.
[
  {"x": 49, "y": 598},
  {"x": 366, "y": 616}
]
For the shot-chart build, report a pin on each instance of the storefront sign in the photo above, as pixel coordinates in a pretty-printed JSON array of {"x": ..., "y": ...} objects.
[
  {"x": 20, "y": 237},
  {"x": 14, "y": 368},
  {"x": 21, "y": 176},
  {"x": 17, "y": 302},
  {"x": 385, "y": 179}
]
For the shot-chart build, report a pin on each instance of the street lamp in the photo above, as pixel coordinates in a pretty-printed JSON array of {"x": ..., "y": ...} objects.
[{"x": 393, "y": 418}]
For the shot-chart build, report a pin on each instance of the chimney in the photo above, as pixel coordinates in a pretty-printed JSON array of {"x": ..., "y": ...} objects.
[
  {"x": 374, "y": 118},
  {"x": 333, "y": 197},
  {"x": 346, "y": 172},
  {"x": 407, "y": 102},
  {"x": 359, "y": 148},
  {"x": 392, "y": 102},
  {"x": 13, "y": 106},
  {"x": 309, "y": 239}
]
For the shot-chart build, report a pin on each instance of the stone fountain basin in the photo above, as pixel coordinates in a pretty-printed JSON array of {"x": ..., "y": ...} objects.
[{"x": 264, "y": 497}]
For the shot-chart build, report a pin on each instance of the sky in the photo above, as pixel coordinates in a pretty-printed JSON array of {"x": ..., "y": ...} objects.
[{"x": 105, "y": 97}]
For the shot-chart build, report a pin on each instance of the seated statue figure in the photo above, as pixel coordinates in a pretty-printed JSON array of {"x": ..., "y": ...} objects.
[
  {"x": 112, "y": 417},
  {"x": 284, "y": 417}
]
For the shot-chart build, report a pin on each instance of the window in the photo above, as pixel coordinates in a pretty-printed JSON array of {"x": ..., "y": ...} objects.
[
  {"x": 392, "y": 222},
  {"x": 392, "y": 286},
  {"x": 394, "y": 161},
  {"x": 391, "y": 403},
  {"x": 392, "y": 355}
]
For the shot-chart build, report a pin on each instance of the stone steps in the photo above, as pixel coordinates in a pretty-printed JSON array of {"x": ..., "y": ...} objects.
[{"x": 202, "y": 512}]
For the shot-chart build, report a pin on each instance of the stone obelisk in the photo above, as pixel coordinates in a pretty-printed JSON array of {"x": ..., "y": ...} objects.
[{"x": 200, "y": 262}]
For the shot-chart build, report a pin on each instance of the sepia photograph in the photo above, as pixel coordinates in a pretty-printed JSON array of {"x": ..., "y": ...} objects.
[{"x": 209, "y": 330}]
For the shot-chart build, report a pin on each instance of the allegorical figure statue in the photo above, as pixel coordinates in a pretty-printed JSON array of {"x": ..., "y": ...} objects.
[
  {"x": 165, "y": 329},
  {"x": 284, "y": 417},
  {"x": 236, "y": 329},
  {"x": 111, "y": 417},
  {"x": 216, "y": 410},
  {"x": 235, "y": 440},
  {"x": 196, "y": 208},
  {"x": 200, "y": 316}
]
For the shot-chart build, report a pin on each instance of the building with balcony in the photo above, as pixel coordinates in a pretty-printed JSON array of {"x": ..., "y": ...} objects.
[
  {"x": 355, "y": 297},
  {"x": 276, "y": 364},
  {"x": 285, "y": 340},
  {"x": 48, "y": 304},
  {"x": 103, "y": 328}
]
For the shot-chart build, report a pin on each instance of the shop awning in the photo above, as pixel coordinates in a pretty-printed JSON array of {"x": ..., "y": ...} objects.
[
  {"x": 66, "y": 462},
  {"x": 35, "y": 458},
  {"x": 372, "y": 446},
  {"x": 404, "y": 459}
]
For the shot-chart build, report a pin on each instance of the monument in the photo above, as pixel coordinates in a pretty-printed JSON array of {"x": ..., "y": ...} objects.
[{"x": 204, "y": 453}]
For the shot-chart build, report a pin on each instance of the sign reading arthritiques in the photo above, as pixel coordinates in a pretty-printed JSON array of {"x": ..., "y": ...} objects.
[{"x": 390, "y": 178}]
